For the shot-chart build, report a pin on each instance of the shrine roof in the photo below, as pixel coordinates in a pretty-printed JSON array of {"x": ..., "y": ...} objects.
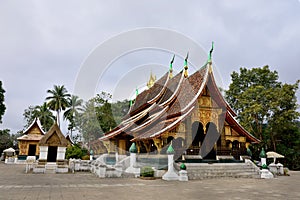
[
  {"x": 36, "y": 123},
  {"x": 54, "y": 137}
]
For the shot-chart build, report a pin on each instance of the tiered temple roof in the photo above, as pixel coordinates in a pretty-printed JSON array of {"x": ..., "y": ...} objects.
[{"x": 168, "y": 102}]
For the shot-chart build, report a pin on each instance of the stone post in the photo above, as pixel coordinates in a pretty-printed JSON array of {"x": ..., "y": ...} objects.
[
  {"x": 170, "y": 175},
  {"x": 264, "y": 173},
  {"x": 263, "y": 158},
  {"x": 132, "y": 166},
  {"x": 183, "y": 173},
  {"x": 91, "y": 154}
]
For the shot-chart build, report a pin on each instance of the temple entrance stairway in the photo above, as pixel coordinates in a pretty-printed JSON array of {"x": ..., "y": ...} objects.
[
  {"x": 222, "y": 170},
  {"x": 50, "y": 168}
]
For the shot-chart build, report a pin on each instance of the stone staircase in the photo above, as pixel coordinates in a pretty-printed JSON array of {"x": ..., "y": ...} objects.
[
  {"x": 222, "y": 170},
  {"x": 50, "y": 168}
]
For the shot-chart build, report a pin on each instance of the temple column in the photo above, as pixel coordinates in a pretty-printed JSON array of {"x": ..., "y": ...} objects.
[
  {"x": 158, "y": 144},
  {"x": 147, "y": 145},
  {"x": 138, "y": 146},
  {"x": 107, "y": 145}
]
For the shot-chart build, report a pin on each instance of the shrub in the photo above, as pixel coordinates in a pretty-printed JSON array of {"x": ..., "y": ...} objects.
[
  {"x": 85, "y": 157},
  {"x": 147, "y": 171},
  {"x": 75, "y": 152}
]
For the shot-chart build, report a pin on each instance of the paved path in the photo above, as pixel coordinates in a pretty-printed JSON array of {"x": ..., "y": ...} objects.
[{"x": 15, "y": 184}]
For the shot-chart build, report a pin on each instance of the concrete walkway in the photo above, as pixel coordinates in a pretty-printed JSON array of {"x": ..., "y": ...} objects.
[{"x": 15, "y": 184}]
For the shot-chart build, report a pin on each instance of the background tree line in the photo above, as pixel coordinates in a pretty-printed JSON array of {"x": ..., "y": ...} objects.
[{"x": 89, "y": 119}]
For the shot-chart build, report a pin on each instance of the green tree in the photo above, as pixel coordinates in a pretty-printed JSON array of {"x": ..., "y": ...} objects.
[
  {"x": 109, "y": 114},
  {"x": 103, "y": 111},
  {"x": 266, "y": 107},
  {"x": 58, "y": 100},
  {"x": 5, "y": 140},
  {"x": 251, "y": 94},
  {"x": 119, "y": 110},
  {"x": 74, "y": 107},
  {"x": 42, "y": 112},
  {"x": 2, "y": 106},
  {"x": 87, "y": 123}
]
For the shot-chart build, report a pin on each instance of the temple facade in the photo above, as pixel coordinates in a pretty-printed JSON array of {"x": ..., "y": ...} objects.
[
  {"x": 29, "y": 142},
  {"x": 187, "y": 110}
]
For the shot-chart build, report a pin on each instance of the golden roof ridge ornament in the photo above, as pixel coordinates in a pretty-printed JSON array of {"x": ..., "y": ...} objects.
[
  {"x": 151, "y": 81},
  {"x": 186, "y": 66}
]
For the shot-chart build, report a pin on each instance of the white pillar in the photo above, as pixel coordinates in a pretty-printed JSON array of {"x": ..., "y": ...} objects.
[
  {"x": 171, "y": 174},
  {"x": 43, "y": 152},
  {"x": 132, "y": 166},
  {"x": 61, "y": 152}
]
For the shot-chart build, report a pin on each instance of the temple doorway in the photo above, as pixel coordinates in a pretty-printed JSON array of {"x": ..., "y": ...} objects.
[
  {"x": 210, "y": 141},
  {"x": 31, "y": 149},
  {"x": 197, "y": 138},
  {"x": 52, "y": 154}
]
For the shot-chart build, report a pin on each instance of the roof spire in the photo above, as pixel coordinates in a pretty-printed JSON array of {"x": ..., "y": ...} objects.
[
  {"x": 210, "y": 52},
  {"x": 171, "y": 67},
  {"x": 186, "y": 65},
  {"x": 151, "y": 81},
  {"x": 136, "y": 92}
]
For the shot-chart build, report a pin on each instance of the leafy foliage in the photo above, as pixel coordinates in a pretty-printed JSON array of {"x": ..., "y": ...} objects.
[
  {"x": 42, "y": 112},
  {"x": 99, "y": 116},
  {"x": 6, "y": 140},
  {"x": 74, "y": 107},
  {"x": 58, "y": 99},
  {"x": 147, "y": 171},
  {"x": 87, "y": 123},
  {"x": 268, "y": 109},
  {"x": 2, "y": 106},
  {"x": 75, "y": 152}
]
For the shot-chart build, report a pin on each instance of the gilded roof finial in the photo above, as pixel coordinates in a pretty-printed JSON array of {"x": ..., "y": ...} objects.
[
  {"x": 210, "y": 52},
  {"x": 186, "y": 65},
  {"x": 171, "y": 67},
  {"x": 151, "y": 81}
]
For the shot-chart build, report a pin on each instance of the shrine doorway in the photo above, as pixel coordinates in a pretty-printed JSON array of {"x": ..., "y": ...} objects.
[
  {"x": 197, "y": 138},
  {"x": 31, "y": 149},
  {"x": 52, "y": 154}
]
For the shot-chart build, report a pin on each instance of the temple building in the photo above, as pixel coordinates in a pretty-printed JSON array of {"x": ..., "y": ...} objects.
[
  {"x": 53, "y": 145},
  {"x": 187, "y": 110},
  {"x": 35, "y": 142},
  {"x": 29, "y": 141}
]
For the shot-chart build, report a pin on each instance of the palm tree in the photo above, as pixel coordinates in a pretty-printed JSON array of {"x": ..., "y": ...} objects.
[
  {"x": 74, "y": 106},
  {"x": 45, "y": 115},
  {"x": 58, "y": 100}
]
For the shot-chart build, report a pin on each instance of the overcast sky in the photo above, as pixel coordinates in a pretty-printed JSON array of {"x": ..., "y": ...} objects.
[{"x": 44, "y": 43}]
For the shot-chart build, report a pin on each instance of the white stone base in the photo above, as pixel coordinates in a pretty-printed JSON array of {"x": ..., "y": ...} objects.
[
  {"x": 62, "y": 170},
  {"x": 264, "y": 173},
  {"x": 133, "y": 170},
  {"x": 183, "y": 175},
  {"x": 39, "y": 169},
  {"x": 100, "y": 171},
  {"x": 170, "y": 176}
]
